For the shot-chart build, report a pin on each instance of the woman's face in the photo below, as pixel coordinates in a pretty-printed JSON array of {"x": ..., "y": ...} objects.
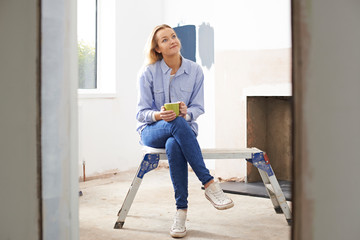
[{"x": 168, "y": 43}]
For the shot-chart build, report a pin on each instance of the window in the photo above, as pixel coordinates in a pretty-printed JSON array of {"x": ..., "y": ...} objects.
[
  {"x": 87, "y": 43},
  {"x": 97, "y": 49}
]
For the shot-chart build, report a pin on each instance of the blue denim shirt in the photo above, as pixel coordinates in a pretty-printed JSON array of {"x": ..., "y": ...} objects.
[{"x": 155, "y": 90}]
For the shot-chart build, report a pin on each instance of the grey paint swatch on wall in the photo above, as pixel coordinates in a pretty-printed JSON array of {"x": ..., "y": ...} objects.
[
  {"x": 187, "y": 36},
  {"x": 206, "y": 45}
]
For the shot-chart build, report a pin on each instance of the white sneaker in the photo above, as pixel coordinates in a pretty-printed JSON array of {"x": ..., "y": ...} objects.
[
  {"x": 216, "y": 196},
  {"x": 178, "y": 228}
]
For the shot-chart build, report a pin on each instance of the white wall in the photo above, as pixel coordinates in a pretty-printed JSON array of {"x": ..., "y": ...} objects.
[
  {"x": 107, "y": 125},
  {"x": 252, "y": 58},
  {"x": 252, "y": 25}
]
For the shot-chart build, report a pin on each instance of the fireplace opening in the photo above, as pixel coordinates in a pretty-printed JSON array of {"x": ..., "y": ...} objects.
[{"x": 269, "y": 128}]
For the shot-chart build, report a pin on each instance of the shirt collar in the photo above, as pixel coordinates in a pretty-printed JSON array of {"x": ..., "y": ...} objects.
[{"x": 184, "y": 68}]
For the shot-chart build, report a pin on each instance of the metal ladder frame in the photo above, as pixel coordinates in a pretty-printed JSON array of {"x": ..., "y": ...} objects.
[{"x": 257, "y": 157}]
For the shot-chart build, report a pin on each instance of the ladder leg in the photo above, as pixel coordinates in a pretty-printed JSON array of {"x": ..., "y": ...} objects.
[
  {"x": 276, "y": 195},
  {"x": 281, "y": 198},
  {"x": 269, "y": 191},
  {"x": 128, "y": 201},
  {"x": 149, "y": 162},
  {"x": 261, "y": 161}
]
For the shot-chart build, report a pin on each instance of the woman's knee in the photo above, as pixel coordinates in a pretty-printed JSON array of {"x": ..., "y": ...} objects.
[
  {"x": 171, "y": 145},
  {"x": 181, "y": 123},
  {"x": 180, "y": 120}
]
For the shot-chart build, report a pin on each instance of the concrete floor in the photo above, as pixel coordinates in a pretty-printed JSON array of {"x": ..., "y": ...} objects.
[{"x": 151, "y": 214}]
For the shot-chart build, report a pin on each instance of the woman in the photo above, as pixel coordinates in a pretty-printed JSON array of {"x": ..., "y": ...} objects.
[{"x": 169, "y": 77}]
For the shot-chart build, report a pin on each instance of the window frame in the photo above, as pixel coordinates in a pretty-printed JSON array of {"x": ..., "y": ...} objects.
[{"x": 105, "y": 43}]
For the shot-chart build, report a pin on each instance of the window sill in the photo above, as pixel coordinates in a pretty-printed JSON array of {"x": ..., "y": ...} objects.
[{"x": 95, "y": 93}]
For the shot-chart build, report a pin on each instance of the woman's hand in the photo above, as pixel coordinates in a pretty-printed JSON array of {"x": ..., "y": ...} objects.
[
  {"x": 183, "y": 109},
  {"x": 167, "y": 115}
]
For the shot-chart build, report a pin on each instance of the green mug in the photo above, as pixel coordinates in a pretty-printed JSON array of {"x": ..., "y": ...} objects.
[{"x": 173, "y": 106}]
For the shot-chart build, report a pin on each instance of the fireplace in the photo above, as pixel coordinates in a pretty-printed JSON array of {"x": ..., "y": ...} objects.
[{"x": 269, "y": 128}]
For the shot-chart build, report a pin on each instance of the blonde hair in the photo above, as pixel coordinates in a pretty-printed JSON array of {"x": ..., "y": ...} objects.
[{"x": 152, "y": 55}]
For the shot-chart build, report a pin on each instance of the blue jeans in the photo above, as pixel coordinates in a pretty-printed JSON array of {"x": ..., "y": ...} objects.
[{"x": 182, "y": 147}]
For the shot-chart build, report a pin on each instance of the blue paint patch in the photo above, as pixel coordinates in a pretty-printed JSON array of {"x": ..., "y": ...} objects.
[
  {"x": 187, "y": 36},
  {"x": 149, "y": 163},
  {"x": 259, "y": 161},
  {"x": 206, "y": 45}
]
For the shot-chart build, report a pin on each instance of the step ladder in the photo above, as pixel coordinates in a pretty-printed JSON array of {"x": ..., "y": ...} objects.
[{"x": 257, "y": 157}]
